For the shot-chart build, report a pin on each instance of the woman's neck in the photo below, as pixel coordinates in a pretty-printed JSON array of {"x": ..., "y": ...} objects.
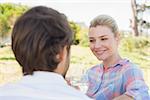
[{"x": 111, "y": 61}]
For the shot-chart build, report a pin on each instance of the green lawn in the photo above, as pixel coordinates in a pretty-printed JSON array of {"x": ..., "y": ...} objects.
[{"x": 81, "y": 59}]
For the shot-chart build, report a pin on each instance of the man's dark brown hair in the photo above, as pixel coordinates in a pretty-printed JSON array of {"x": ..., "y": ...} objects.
[{"x": 38, "y": 36}]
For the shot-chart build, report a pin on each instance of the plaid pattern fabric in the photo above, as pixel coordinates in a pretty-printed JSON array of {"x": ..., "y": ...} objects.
[{"x": 122, "y": 78}]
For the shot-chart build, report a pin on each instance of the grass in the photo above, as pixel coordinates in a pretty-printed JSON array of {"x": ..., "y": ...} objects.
[
  {"x": 137, "y": 57},
  {"x": 6, "y": 54},
  {"x": 81, "y": 59}
]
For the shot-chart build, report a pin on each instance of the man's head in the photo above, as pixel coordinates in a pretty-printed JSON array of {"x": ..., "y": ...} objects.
[{"x": 41, "y": 41}]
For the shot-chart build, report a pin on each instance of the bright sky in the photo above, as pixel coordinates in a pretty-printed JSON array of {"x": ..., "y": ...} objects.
[{"x": 86, "y": 10}]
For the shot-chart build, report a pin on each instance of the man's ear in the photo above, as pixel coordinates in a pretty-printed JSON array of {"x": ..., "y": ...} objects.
[{"x": 62, "y": 55}]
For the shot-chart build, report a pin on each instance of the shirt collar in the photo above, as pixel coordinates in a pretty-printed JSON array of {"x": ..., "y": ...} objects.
[
  {"x": 118, "y": 64},
  {"x": 43, "y": 77}
]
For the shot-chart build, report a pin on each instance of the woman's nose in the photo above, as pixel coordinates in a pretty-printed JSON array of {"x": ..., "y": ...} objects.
[{"x": 98, "y": 44}]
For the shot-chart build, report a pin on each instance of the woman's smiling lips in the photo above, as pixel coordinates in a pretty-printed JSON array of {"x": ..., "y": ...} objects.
[{"x": 100, "y": 52}]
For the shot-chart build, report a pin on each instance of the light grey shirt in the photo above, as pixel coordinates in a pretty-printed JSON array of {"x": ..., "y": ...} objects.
[{"x": 41, "y": 86}]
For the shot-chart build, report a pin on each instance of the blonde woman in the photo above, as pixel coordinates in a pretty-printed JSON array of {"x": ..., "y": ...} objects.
[{"x": 115, "y": 78}]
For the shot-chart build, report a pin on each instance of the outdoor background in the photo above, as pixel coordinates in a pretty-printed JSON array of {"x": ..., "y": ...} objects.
[{"x": 132, "y": 16}]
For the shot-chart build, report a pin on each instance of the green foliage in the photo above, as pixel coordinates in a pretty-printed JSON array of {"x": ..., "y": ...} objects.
[
  {"x": 80, "y": 34},
  {"x": 141, "y": 42},
  {"x": 84, "y": 37},
  {"x": 84, "y": 40},
  {"x": 8, "y": 14},
  {"x": 76, "y": 30},
  {"x": 132, "y": 43},
  {"x": 4, "y": 27},
  {"x": 127, "y": 44}
]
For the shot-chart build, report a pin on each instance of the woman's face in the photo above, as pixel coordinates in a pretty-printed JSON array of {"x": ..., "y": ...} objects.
[{"x": 103, "y": 43}]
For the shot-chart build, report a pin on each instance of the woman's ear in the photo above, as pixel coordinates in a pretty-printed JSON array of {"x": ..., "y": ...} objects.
[{"x": 118, "y": 37}]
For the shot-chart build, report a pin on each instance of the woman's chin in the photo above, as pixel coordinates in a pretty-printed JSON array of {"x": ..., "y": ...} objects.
[{"x": 101, "y": 58}]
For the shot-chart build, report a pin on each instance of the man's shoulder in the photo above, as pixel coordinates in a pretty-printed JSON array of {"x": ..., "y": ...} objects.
[
  {"x": 20, "y": 92},
  {"x": 36, "y": 98}
]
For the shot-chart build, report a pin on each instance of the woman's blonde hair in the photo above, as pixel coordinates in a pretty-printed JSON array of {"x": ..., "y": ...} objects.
[{"x": 105, "y": 20}]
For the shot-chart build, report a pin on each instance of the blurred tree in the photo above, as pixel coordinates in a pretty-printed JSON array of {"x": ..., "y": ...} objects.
[
  {"x": 76, "y": 30},
  {"x": 138, "y": 23},
  {"x": 133, "y": 21},
  {"x": 8, "y": 14},
  {"x": 84, "y": 37}
]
